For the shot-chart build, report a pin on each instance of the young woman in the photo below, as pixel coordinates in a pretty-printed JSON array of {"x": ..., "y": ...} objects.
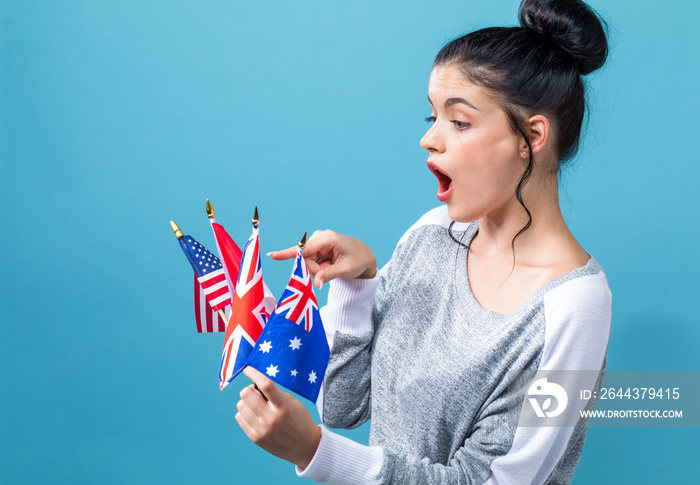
[{"x": 489, "y": 283}]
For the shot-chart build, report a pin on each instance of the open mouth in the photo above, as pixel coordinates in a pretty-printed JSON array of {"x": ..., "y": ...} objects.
[{"x": 444, "y": 182}]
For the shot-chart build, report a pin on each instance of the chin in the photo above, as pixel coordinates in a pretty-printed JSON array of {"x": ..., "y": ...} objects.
[{"x": 460, "y": 214}]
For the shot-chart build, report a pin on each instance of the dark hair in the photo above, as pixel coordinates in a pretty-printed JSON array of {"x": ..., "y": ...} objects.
[{"x": 536, "y": 69}]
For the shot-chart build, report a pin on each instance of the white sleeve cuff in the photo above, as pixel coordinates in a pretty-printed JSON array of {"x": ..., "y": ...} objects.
[
  {"x": 340, "y": 461},
  {"x": 349, "y": 308}
]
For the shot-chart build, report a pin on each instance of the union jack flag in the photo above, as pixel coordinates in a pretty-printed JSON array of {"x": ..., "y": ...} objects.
[
  {"x": 298, "y": 301},
  {"x": 249, "y": 313}
]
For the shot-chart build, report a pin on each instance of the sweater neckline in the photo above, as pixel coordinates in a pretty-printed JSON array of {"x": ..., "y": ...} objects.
[{"x": 464, "y": 289}]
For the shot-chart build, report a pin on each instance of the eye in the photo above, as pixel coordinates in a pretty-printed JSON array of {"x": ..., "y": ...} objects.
[
  {"x": 460, "y": 125},
  {"x": 431, "y": 119}
]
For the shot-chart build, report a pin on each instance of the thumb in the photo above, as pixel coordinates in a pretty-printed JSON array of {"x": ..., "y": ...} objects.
[{"x": 266, "y": 385}]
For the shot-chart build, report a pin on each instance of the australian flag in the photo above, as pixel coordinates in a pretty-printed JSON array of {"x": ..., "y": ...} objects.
[{"x": 292, "y": 349}]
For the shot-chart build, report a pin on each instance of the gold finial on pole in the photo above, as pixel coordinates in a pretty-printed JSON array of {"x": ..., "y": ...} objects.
[
  {"x": 176, "y": 230},
  {"x": 210, "y": 210},
  {"x": 256, "y": 218},
  {"x": 302, "y": 243}
]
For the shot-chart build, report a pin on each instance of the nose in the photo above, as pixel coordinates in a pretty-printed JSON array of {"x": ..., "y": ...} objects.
[{"x": 432, "y": 141}]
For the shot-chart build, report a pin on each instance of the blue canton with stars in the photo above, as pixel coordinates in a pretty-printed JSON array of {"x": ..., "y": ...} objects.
[{"x": 202, "y": 260}]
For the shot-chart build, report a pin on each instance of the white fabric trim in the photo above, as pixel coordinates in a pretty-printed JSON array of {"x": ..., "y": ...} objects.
[
  {"x": 341, "y": 461},
  {"x": 349, "y": 308}
]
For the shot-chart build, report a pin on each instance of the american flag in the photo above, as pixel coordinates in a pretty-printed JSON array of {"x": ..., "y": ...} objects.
[
  {"x": 249, "y": 313},
  {"x": 293, "y": 350},
  {"x": 210, "y": 276}
]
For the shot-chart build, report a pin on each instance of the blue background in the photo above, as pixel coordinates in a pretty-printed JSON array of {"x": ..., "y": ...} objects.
[{"x": 116, "y": 117}]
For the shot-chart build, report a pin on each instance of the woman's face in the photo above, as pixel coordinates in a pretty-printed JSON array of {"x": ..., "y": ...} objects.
[{"x": 474, "y": 154}]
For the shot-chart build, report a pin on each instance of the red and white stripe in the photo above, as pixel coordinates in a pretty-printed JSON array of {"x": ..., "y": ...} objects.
[
  {"x": 206, "y": 318},
  {"x": 216, "y": 289}
]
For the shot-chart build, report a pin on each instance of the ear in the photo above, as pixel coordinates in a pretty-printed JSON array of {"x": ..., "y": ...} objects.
[{"x": 539, "y": 129}]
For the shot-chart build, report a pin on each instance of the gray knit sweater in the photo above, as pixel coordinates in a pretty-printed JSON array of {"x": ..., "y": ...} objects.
[{"x": 431, "y": 368}]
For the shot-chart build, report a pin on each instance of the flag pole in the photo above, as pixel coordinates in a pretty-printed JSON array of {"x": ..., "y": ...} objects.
[
  {"x": 179, "y": 234},
  {"x": 302, "y": 243}
]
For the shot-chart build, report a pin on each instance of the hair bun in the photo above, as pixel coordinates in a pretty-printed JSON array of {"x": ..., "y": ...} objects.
[{"x": 572, "y": 25}]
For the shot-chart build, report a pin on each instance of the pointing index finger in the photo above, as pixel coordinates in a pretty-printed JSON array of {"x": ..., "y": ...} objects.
[
  {"x": 311, "y": 250},
  {"x": 283, "y": 254}
]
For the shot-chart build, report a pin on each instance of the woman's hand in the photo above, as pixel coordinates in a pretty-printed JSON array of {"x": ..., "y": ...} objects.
[
  {"x": 330, "y": 255},
  {"x": 276, "y": 421}
]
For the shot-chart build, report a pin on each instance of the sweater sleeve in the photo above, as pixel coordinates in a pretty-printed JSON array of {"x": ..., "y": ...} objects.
[
  {"x": 577, "y": 316},
  {"x": 348, "y": 322},
  {"x": 348, "y": 318}
]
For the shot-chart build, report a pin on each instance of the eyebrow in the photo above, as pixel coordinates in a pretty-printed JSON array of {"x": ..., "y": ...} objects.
[{"x": 452, "y": 101}]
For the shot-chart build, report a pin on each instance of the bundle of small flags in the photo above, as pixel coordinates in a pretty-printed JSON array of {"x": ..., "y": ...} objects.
[
  {"x": 286, "y": 342},
  {"x": 293, "y": 350}
]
